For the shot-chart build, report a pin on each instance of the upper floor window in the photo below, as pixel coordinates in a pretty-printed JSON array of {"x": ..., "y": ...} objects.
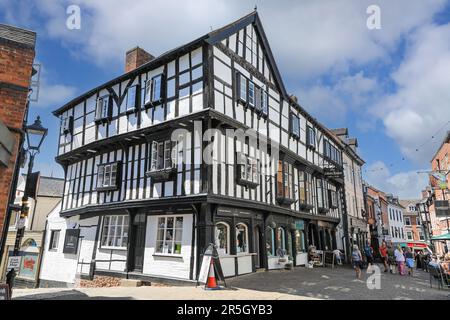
[
  {"x": 154, "y": 90},
  {"x": 103, "y": 109},
  {"x": 264, "y": 102},
  {"x": 409, "y": 235},
  {"x": 326, "y": 149},
  {"x": 284, "y": 183},
  {"x": 295, "y": 125},
  {"x": 162, "y": 157},
  {"x": 418, "y": 221},
  {"x": 248, "y": 170},
  {"x": 407, "y": 221},
  {"x": 332, "y": 199},
  {"x": 54, "y": 239},
  {"x": 107, "y": 176},
  {"x": 251, "y": 93},
  {"x": 310, "y": 137},
  {"x": 305, "y": 189},
  {"x": 131, "y": 101},
  {"x": 67, "y": 125},
  {"x": 242, "y": 86}
]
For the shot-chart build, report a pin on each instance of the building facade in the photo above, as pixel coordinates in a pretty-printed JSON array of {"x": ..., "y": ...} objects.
[
  {"x": 413, "y": 226},
  {"x": 16, "y": 62},
  {"x": 354, "y": 223},
  {"x": 48, "y": 197},
  {"x": 396, "y": 220},
  {"x": 440, "y": 194},
  {"x": 162, "y": 161}
]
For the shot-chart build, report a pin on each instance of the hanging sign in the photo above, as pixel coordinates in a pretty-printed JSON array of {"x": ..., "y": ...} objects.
[
  {"x": 71, "y": 241},
  {"x": 442, "y": 208},
  {"x": 299, "y": 225}
]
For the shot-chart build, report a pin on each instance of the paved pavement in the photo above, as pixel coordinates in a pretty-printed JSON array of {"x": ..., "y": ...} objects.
[{"x": 298, "y": 284}]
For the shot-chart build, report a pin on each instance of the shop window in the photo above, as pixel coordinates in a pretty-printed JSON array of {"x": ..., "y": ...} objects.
[
  {"x": 270, "y": 241},
  {"x": 54, "y": 239},
  {"x": 115, "y": 232},
  {"x": 108, "y": 176},
  {"x": 222, "y": 238},
  {"x": 300, "y": 245},
  {"x": 281, "y": 240},
  {"x": 169, "y": 235},
  {"x": 241, "y": 238}
]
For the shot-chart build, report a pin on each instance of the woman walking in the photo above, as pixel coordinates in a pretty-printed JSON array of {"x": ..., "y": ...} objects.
[
  {"x": 409, "y": 257},
  {"x": 384, "y": 255},
  {"x": 400, "y": 259},
  {"x": 356, "y": 261}
]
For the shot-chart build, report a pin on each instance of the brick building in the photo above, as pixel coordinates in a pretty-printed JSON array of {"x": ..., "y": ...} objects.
[{"x": 17, "y": 52}]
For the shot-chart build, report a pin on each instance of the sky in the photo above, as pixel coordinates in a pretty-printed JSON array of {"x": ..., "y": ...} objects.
[{"x": 390, "y": 86}]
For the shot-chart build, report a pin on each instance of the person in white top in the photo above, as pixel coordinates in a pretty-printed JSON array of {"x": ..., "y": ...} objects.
[{"x": 400, "y": 258}]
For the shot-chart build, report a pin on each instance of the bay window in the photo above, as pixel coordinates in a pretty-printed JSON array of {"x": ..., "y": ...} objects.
[
  {"x": 248, "y": 170},
  {"x": 305, "y": 190},
  {"x": 169, "y": 235},
  {"x": 162, "y": 156},
  {"x": 107, "y": 176},
  {"x": 114, "y": 232}
]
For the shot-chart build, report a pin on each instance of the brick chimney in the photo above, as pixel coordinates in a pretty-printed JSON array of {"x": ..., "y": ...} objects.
[{"x": 136, "y": 57}]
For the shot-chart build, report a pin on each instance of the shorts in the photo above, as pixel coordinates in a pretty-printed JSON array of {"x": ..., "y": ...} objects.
[
  {"x": 383, "y": 259},
  {"x": 356, "y": 264}
]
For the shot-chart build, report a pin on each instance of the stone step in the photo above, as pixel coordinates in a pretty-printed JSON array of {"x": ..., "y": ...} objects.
[{"x": 130, "y": 283}]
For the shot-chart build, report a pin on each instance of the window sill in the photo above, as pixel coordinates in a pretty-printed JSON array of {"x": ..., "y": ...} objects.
[
  {"x": 168, "y": 255},
  {"x": 104, "y": 189},
  {"x": 113, "y": 248},
  {"x": 161, "y": 174}
]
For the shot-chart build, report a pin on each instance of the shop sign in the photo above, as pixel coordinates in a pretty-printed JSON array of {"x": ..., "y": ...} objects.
[
  {"x": 299, "y": 225},
  {"x": 442, "y": 208},
  {"x": 333, "y": 173},
  {"x": 71, "y": 241},
  {"x": 13, "y": 263}
]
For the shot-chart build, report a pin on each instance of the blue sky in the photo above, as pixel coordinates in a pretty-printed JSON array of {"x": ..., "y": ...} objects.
[{"x": 390, "y": 87}]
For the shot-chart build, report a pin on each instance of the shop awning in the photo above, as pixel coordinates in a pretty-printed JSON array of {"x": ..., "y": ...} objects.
[{"x": 445, "y": 236}]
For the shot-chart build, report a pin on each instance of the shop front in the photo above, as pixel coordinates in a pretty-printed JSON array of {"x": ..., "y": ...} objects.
[{"x": 239, "y": 238}]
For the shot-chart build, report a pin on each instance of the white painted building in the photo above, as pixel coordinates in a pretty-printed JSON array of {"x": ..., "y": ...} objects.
[
  {"x": 147, "y": 206},
  {"x": 397, "y": 231}
]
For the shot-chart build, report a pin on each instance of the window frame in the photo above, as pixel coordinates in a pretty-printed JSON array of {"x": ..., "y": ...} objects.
[
  {"x": 124, "y": 226},
  {"x": 227, "y": 239},
  {"x": 164, "y": 235},
  {"x": 162, "y": 156},
  {"x": 242, "y": 169},
  {"x": 101, "y": 169},
  {"x": 294, "y": 119},
  {"x": 149, "y": 92},
  {"x": 310, "y": 143},
  {"x": 67, "y": 125},
  {"x": 246, "y": 242},
  {"x": 51, "y": 246},
  {"x": 134, "y": 108},
  {"x": 272, "y": 242},
  {"x": 102, "y": 114}
]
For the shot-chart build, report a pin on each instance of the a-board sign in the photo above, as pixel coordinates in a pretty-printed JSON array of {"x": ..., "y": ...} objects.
[
  {"x": 329, "y": 258},
  {"x": 4, "y": 292},
  {"x": 14, "y": 263},
  {"x": 210, "y": 257}
]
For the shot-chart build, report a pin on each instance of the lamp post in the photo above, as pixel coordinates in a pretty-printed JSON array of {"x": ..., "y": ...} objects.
[{"x": 35, "y": 135}]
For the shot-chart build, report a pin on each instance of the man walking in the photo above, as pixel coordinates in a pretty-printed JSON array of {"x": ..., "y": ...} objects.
[{"x": 368, "y": 251}]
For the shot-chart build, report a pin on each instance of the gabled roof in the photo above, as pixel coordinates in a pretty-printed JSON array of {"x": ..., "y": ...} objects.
[
  {"x": 340, "y": 131},
  {"x": 212, "y": 37}
]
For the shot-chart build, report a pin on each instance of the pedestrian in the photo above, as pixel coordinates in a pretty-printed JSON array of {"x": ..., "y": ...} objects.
[
  {"x": 338, "y": 255},
  {"x": 418, "y": 258},
  {"x": 391, "y": 258},
  {"x": 409, "y": 259},
  {"x": 368, "y": 251},
  {"x": 10, "y": 276},
  {"x": 400, "y": 259},
  {"x": 384, "y": 255},
  {"x": 356, "y": 260}
]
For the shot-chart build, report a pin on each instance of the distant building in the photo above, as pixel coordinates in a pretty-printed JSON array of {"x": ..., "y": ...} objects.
[
  {"x": 413, "y": 225},
  {"x": 354, "y": 229},
  {"x": 17, "y": 47},
  {"x": 396, "y": 220},
  {"x": 378, "y": 221},
  {"x": 48, "y": 197}
]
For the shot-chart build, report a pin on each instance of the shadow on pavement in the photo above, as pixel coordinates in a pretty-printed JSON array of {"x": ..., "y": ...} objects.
[{"x": 67, "y": 295}]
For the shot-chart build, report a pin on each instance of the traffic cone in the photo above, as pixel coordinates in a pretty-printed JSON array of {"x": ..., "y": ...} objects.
[{"x": 211, "y": 283}]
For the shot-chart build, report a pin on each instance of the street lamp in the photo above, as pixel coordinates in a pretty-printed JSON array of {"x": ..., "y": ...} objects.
[{"x": 35, "y": 135}]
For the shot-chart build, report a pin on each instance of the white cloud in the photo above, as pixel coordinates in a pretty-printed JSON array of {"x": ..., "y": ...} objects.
[
  {"x": 421, "y": 104},
  {"x": 406, "y": 185}
]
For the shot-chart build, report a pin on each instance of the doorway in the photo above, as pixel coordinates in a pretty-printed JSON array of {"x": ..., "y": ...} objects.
[
  {"x": 258, "y": 245},
  {"x": 138, "y": 243}
]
